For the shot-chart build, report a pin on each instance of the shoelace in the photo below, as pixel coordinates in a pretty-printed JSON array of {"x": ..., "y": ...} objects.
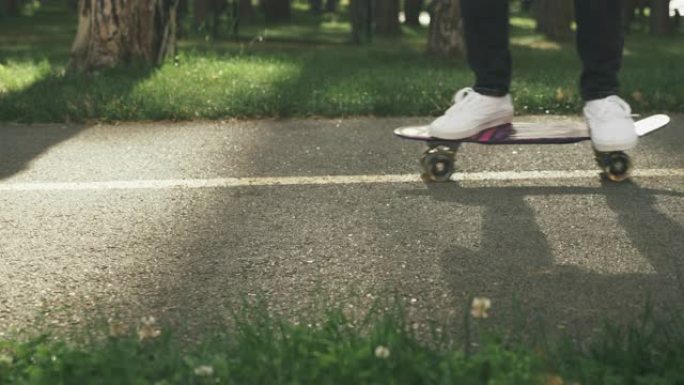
[
  {"x": 459, "y": 98},
  {"x": 612, "y": 107}
]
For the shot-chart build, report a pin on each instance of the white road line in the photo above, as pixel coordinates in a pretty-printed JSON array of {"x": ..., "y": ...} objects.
[{"x": 319, "y": 180}]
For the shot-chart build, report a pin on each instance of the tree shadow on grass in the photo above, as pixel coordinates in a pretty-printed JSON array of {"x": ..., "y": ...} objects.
[{"x": 44, "y": 36}]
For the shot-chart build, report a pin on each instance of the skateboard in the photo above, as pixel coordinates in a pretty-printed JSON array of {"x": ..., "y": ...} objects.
[{"x": 439, "y": 159}]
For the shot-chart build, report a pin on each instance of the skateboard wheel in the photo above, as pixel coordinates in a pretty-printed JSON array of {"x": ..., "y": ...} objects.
[
  {"x": 615, "y": 165},
  {"x": 438, "y": 165}
]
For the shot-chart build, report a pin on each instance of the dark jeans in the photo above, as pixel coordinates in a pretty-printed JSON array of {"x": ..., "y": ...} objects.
[{"x": 599, "y": 43}]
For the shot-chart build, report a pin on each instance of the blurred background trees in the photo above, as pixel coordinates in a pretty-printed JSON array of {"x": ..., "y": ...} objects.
[
  {"x": 229, "y": 58},
  {"x": 554, "y": 17},
  {"x": 440, "y": 19},
  {"x": 275, "y": 10},
  {"x": 445, "y": 36}
]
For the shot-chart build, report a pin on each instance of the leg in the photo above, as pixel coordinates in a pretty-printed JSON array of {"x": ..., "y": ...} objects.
[
  {"x": 486, "y": 36},
  {"x": 490, "y": 105},
  {"x": 599, "y": 43}
]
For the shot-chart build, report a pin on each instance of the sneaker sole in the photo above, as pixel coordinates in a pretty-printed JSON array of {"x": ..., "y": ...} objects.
[
  {"x": 477, "y": 129},
  {"x": 614, "y": 147}
]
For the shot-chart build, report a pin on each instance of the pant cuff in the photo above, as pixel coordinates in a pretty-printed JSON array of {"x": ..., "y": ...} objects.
[
  {"x": 587, "y": 97},
  {"x": 491, "y": 91}
]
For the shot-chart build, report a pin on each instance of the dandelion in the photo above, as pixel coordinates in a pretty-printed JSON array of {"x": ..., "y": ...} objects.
[
  {"x": 204, "y": 370},
  {"x": 480, "y": 306},
  {"x": 148, "y": 329},
  {"x": 382, "y": 352}
]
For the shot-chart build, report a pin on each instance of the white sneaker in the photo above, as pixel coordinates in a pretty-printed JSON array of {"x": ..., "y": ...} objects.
[
  {"x": 610, "y": 124},
  {"x": 471, "y": 113}
]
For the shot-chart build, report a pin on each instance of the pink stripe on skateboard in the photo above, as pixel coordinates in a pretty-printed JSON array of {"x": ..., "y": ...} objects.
[
  {"x": 495, "y": 134},
  {"x": 487, "y": 135}
]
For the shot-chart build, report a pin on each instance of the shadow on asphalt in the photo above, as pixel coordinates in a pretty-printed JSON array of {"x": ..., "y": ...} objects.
[
  {"x": 21, "y": 144},
  {"x": 514, "y": 264},
  {"x": 73, "y": 97}
]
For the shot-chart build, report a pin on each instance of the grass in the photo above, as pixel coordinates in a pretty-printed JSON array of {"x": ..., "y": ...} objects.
[
  {"x": 281, "y": 71},
  {"x": 380, "y": 349}
]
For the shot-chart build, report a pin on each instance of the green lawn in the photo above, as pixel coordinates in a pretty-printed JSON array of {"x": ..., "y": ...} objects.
[
  {"x": 381, "y": 348},
  {"x": 306, "y": 69}
]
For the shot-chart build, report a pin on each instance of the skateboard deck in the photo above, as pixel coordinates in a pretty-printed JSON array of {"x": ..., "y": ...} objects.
[
  {"x": 439, "y": 159},
  {"x": 531, "y": 133}
]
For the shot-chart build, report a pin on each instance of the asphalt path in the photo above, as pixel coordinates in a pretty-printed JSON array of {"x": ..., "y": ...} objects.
[{"x": 184, "y": 221}]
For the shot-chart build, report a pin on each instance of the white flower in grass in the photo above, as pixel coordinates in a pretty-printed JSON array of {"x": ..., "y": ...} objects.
[
  {"x": 382, "y": 352},
  {"x": 117, "y": 328},
  {"x": 204, "y": 370},
  {"x": 6, "y": 359},
  {"x": 148, "y": 329},
  {"x": 480, "y": 306}
]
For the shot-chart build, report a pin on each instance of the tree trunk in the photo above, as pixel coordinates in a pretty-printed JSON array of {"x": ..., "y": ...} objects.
[
  {"x": 316, "y": 6},
  {"x": 412, "y": 9},
  {"x": 276, "y": 10},
  {"x": 181, "y": 11},
  {"x": 660, "y": 17},
  {"x": 628, "y": 11},
  {"x": 554, "y": 18},
  {"x": 10, "y": 7},
  {"x": 526, "y": 5},
  {"x": 200, "y": 12},
  {"x": 112, "y": 32},
  {"x": 246, "y": 10},
  {"x": 208, "y": 14},
  {"x": 387, "y": 17},
  {"x": 445, "y": 36},
  {"x": 331, "y": 5},
  {"x": 360, "y": 16}
]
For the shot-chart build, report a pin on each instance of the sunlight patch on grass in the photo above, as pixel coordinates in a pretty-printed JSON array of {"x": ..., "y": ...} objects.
[
  {"x": 536, "y": 42},
  {"x": 233, "y": 86},
  {"x": 523, "y": 22},
  {"x": 299, "y": 32},
  {"x": 18, "y": 75},
  {"x": 335, "y": 25}
]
